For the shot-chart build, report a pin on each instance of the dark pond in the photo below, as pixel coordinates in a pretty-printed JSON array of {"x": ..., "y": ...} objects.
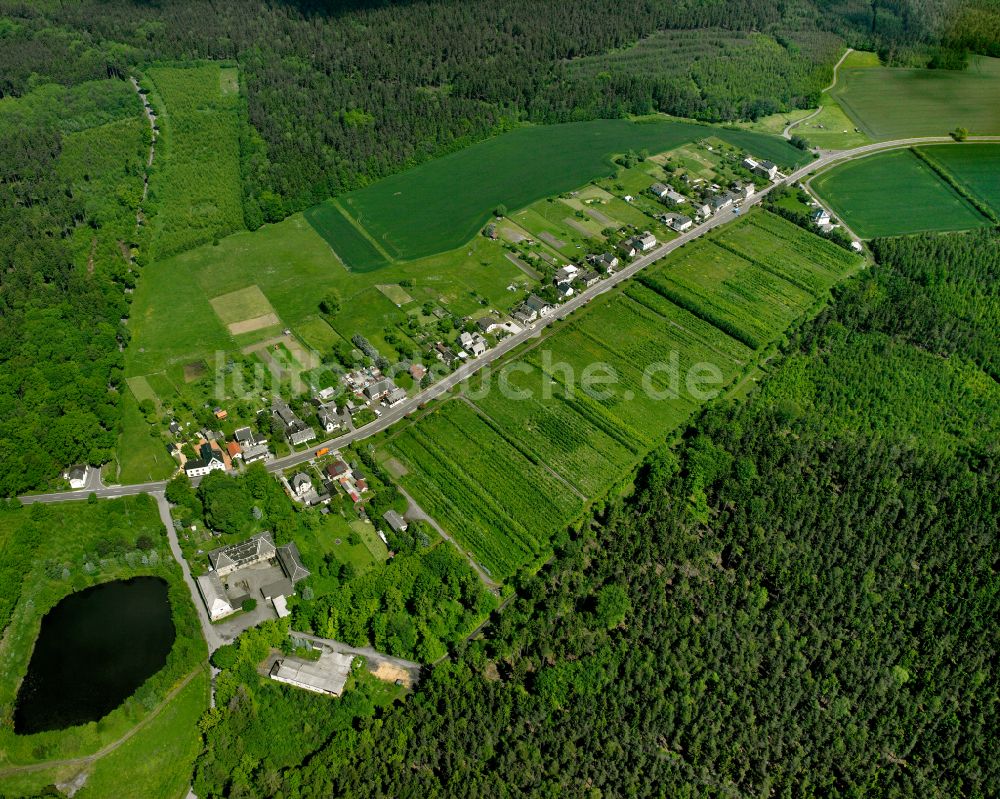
[{"x": 95, "y": 648}]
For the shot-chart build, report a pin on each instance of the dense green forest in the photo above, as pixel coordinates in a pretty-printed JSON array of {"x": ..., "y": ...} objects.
[
  {"x": 71, "y": 173},
  {"x": 341, "y": 95},
  {"x": 789, "y": 604}
]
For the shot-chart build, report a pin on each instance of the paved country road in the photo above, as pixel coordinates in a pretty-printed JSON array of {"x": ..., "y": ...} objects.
[{"x": 391, "y": 416}]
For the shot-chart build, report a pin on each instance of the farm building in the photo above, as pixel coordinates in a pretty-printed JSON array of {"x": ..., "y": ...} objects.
[
  {"x": 214, "y": 596},
  {"x": 226, "y": 560},
  {"x": 328, "y": 675}
]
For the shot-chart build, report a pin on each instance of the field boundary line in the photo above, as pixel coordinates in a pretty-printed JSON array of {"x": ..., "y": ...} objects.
[
  {"x": 939, "y": 169},
  {"x": 361, "y": 230}
]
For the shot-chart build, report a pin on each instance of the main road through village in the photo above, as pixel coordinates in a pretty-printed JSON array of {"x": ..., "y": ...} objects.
[{"x": 390, "y": 416}]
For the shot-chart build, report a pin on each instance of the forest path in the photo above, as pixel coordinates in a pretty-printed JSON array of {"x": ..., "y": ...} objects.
[{"x": 787, "y": 132}]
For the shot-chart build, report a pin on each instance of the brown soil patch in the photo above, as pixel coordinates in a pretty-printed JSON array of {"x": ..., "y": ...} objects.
[
  {"x": 257, "y": 323},
  {"x": 192, "y": 371},
  {"x": 390, "y": 673}
]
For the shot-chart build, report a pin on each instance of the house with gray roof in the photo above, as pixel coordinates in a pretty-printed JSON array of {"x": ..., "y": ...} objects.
[
  {"x": 258, "y": 548},
  {"x": 291, "y": 562}
]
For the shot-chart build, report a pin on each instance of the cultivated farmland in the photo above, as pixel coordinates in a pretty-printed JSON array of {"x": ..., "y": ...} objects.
[
  {"x": 553, "y": 439},
  {"x": 894, "y": 103},
  {"x": 347, "y": 241},
  {"x": 892, "y": 194},
  {"x": 200, "y": 196},
  {"x": 974, "y": 165},
  {"x": 441, "y": 204}
]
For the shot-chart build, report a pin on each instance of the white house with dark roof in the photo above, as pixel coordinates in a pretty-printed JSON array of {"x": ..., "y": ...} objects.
[
  {"x": 210, "y": 460},
  {"x": 214, "y": 596}
]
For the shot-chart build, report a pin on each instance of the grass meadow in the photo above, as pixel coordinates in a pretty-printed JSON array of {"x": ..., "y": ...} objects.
[
  {"x": 443, "y": 203},
  {"x": 895, "y": 103},
  {"x": 289, "y": 268},
  {"x": 893, "y": 194},
  {"x": 547, "y": 453}
]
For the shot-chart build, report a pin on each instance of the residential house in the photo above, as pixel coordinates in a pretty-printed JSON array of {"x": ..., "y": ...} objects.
[
  {"x": 296, "y": 431},
  {"x": 538, "y": 305},
  {"x": 628, "y": 248},
  {"x": 645, "y": 241},
  {"x": 679, "y": 222},
  {"x": 588, "y": 279},
  {"x": 256, "y": 452},
  {"x": 702, "y": 210},
  {"x": 417, "y": 371},
  {"x": 767, "y": 169},
  {"x": 821, "y": 217},
  {"x": 674, "y": 199},
  {"x": 378, "y": 389},
  {"x": 174, "y": 427},
  {"x": 523, "y": 314},
  {"x": 394, "y": 397},
  {"x": 744, "y": 191},
  {"x": 395, "y": 521},
  {"x": 327, "y": 418},
  {"x": 234, "y": 449},
  {"x": 209, "y": 460},
  {"x": 244, "y": 435},
  {"x": 303, "y": 436},
  {"x": 566, "y": 274},
  {"x": 446, "y": 354},
  {"x": 609, "y": 261},
  {"x": 565, "y": 291},
  {"x": 77, "y": 476},
  {"x": 719, "y": 202},
  {"x": 473, "y": 343},
  {"x": 487, "y": 324},
  {"x": 337, "y": 469},
  {"x": 324, "y": 394},
  {"x": 659, "y": 191},
  {"x": 301, "y": 484}
]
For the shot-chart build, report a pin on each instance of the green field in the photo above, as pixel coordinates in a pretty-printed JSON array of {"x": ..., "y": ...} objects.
[
  {"x": 894, "y": 193},
  {"x": 551, "y": 442},
  {"x": 976, "y": 166},
  {"x": 895, "y": 103},
  {"x": 441, "y": 204},
  {"x": 199, "y": 195},
  {"x": 352, "y": 247},
  {"x": 293, "y": 268}
]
